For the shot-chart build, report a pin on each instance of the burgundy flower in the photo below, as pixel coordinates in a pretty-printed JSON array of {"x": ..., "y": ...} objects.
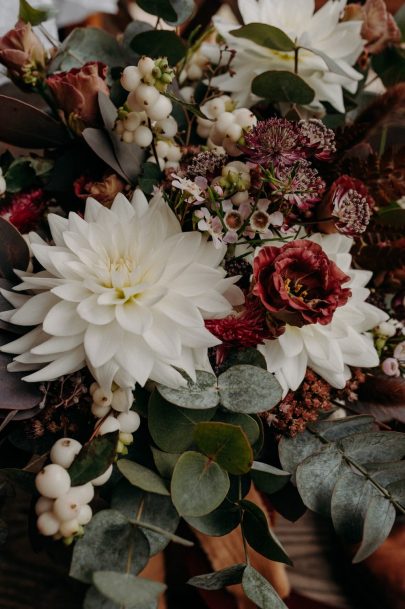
[
  {"x": 299, "y": 185},
  {"x": 349, "y": 204},
  {"x": 242, "y": 329},
  {"x": 23, "y": 54},
  {"x": 318, "y": 140},
  {"x": 275, "y": 141},
  {"x": 103, "y": 190},
  {"x": 76, "y": 94},
  {"x": 25, "y": 209},
  {"x": 298, "y": 283}
]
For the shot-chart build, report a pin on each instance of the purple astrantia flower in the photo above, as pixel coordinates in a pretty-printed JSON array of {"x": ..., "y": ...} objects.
[{"x": 299, "y": 185}]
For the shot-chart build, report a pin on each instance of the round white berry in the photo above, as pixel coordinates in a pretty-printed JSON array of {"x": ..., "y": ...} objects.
[
  {"x": 126, "y": 438},
  {"x": 81, "y": 494},
  {"x": 187, "y": 94},
  {"x": 146, "y": 65},
  {"x": 244, "y": 117},
  {"x": 132, "y": 121},
  {"x": 162, "y": 148},
  {"x": 85, "y": 514},
  {"x": 233, "y": 132},
  {"x": 147, "y": 95},
  {"x": 119, "y": 129},
  {"x": 69, "y": 528},
  {"x": 101, "y": 397},
  {"x": 161, "y": 109},
  {"x": 143, "y": 136},
  {"x": 93, "y": 387},
  {"x": 100, "y": 480},
  {"x": 129, "y": 421},
  {"x": 52, "y": 481},
  {"x": 133, "y": 103},
  {"x": 66, "y": 508},
  {"x": 172, "y": 165},
  {"x": 174, "y": 153},
  {"x": 224, "y": 121},
  {"x": 64, "y": 451},
  {"x": 109, "y": 425},
  {"x": 130, "y": 78},
  {"x": 194, "y": 72},
  {"x": 162, "y": 163},
  {"x": 168, "y": 126},
  {"x": 100, "y": 410},
  {"x": 48, "y": 524},
  {"x": 122, "y": 399},
  {"x": 44, "y": 504},
  {"x": 215, "y": 107},
  {"x": 128, "y": 137}
]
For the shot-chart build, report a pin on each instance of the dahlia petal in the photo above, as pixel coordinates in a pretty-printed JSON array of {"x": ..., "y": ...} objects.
[
  {"x": 291, "y": 342},
  {"x": 90, "y": 311},
  {"x": 57, "y": 225},
  {"x": 67, "y": 364},
  {"x": 34, "y": 310},
  {"x": 16, "y": 300},
  {"x": 63, "y": 320},
  {"x": 139, "y": 202},
  {"x": 166, "y": 375},
  {"x": 101, "y": 343},
  {"x": 25, "y": 342},
  {"x": 180, "y": 310},
  {"x": 73, "y": 291},
  {"x": 133, "y": 317},
  {"x": 57, "y": 344},
  {"x": 123, "y": 208},
  {"x": 135, "y": 357},
  {"x": 162, "y": 337},
  {"x": 294, "y": 370},
  {"x": 92, "y": 210}
]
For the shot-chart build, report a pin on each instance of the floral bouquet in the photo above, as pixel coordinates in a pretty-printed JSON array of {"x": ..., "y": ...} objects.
[{"x": 201, "y": 300}]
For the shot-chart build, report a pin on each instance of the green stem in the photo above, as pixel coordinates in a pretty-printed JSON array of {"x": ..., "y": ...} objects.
[{"x": 383, "y": 141}]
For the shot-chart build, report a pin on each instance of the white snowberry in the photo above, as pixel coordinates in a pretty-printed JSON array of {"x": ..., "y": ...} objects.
[
  {"x": 174, "y": 153},
  {"x": 162, "y": 148},
  {"x": 187, "y": 94},
  {"x": 100, "y": 410},
  {"x": 168, "y": 126},
  {"x": 146, "y": 65},
  {"x": 132, "y": 121},
  {"x": 66, "y": 508},
  {"x": 81, "y": 494},
  {"x": 131, "y": 78},
  {"x": 146, "y": 95},
  {"x": 100, "y": 480},
  {"x": 64, "y": 451},
  {"x": 133, "y": 103},
  {"x": 85, "y": 514},
  {"x": 128, "y": 137},
  {"x": 48, "y": 524},
  {"x": 69, "y": 528},
  {"x": 160, "y": 109},
  {"x": 122, "y": 400},
  {"x": 143, "y": 136},
  {"x": 126, "y": 438},
  {"x": 129, "y": 421},
  {"x": 109, "y": 425},
  {"x": 162, "y": 163},
  {"x": 44, "y": 504},
  {"x": 52, "y": 481},
  {"x": 101, "y": 397},
  {"x": 194, "y": 72}
]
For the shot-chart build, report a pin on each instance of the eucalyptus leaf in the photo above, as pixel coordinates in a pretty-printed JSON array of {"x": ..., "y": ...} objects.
[
  {"x": 225, "y": 444},
  {"x": 379, "y": 520},
  {"x": 341, "y": 428},
  {"x": 199, "y": 485},
  {"x": 184, "y": 10},
  {"x": 172, "y": 427},
  {"x": 102, "y": 146},
  {"x": 375, "y": 446},
  {"x": 265, "y": 35},
  {"x": 149, "y": 178},
  {"x": 95, "y": 600},
  {"x": 219, "y": 579},
  {"x": 258, "y": 534},
  {"x": 158, "y": 43},
  {"x": 105, "y": 544},
  {"x": 93, "y": 459},
  {"x": 200, "y": 395},
  {"x": 88, "y": 44},
  {"x": 248, "y": 389},
  {"x": 161, "y": 8},
  {"x": 221, "y": 521},
  {"x": 165, "y": 462},
  {"x": 142, "y": 477},
  {"x": 316, "y": 477},
  {"x": 126, "y": 589},
  {"x": 248, "y": 424},
  {"x": 32, "y": 15},
  {"x": 250, "y": 356},
  {"x": 146, "y": 508},
  {"x": 268, "y": 478},
  {"x": 282, "y": 86},
  {"x": 260, "y": 591},
  {"x": 19, "y": 175}
]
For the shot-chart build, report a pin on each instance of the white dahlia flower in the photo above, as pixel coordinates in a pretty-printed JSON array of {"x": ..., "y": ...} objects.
[
  {"x": 125, "y": 292},
  {"x": 329, "y": 350},
  {"x": 320, "y": 31}
]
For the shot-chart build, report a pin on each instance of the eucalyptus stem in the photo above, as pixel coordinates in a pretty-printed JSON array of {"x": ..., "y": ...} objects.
[{"x": 383, "y": 141}]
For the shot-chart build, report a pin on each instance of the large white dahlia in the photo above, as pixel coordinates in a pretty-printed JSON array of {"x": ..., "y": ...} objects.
[
  {"x": 319, "y": 30},
  {"x": 329, "y": 350},
  {"x": 124, "y": 291}
]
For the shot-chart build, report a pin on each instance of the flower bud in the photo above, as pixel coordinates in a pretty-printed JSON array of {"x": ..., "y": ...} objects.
[{"x": 23, "y": 54}]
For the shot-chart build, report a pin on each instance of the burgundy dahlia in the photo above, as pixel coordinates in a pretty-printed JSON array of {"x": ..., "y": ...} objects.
[
  {"x": 299, "y": 185},
  {"x": 298, "y": 283},
  {"x": 318, "y": 140},
  {"x": 275, "y": 141},
  {"x": 25, "y": 209},
  {"x": 348, "y": 204}
]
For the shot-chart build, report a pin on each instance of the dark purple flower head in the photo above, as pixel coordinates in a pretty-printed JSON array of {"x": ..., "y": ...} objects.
[
  {"x": 299, "y": 185},
  {"x": 317, "y": 139},
  {"x": 348, "y": 204},
  {"x": 275, "y": 141}
]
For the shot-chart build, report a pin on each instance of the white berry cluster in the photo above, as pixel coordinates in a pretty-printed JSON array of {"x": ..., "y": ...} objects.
[
  {"x": 195, "y": 66},
  {"x": 63, "y": 509},
  {"x": 225, "y": 126},
  {"x": 146, "y": 109}
]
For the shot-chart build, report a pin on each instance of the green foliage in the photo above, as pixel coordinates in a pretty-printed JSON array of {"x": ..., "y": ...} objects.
[
  {"x": 265, "y": 36},
  {"x": 93, "y": 459},
  {"x": 268, "y": 478},
  {"x": 107, "y": 540},
  {"x": 159, "y": 43},
  {"x": 199, "y": 485},
  {"x": 248, "y": 389},
  {"x": 142, "y": 477},
  {"x": 391, "y": 215},
  {"x": 173, "y": 12},
  {"x": 32, "y": 15},
  {"x": 282, "y": 86},
  {"x": 88, "y": 44},
  {"x": 249, "y": 425},
  {"x": 165, "y": 462},
  {"x": 390, "y": 65},
  {"x": 126, "y": 589},
  {"x": 199, "y": 395},
  {"x": 149, "y": 177},
  {"x": 260, "y": 591},
  {"x": 258, "y": 534},
  {"x": 225, "y": 444},
  {"x": 219, "y": 579},
  {"x": 341, "y": 471},
  {"x": 219, "y": 522}
]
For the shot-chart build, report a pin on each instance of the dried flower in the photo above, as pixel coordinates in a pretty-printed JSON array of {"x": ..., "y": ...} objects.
[
  {"x": 318, "y": 140},
  {"x": 76, "y": 94},
  {"x": 275, "y": 141},
  {"x": 25, "y": 209},
  {"x": 104, "y": 190},
  {"x": 205, "y": 164},
  {"x": 379, "y": 26},
  {"x": 349, "y": 204},
  {"x": 23, "y": 54}
]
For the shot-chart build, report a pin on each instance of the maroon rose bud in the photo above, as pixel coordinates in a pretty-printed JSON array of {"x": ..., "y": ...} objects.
[
  {"x": 23, "y": 54},
  {"x": 104, "y": 190},
  {"x": 25, "y": 209},
  {"x": 347, "y": 207},
  {"x": 76, "y": 92},
  {"x": 298, "y": 283}
]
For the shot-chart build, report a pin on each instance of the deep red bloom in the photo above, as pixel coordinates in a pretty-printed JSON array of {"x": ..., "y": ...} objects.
[
  {"x": 25, "y": 209},
  {"x": 274, "y": 142},
  {"x": 349, "y": 204},
  {"x": 298, "y": 283},
  {"x": 76, "y": 93}
]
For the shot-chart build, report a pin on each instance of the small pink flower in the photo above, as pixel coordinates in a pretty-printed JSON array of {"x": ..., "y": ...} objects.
[
  {"x": 390, "y": 366},
  {"x": 399, "y": 351}
]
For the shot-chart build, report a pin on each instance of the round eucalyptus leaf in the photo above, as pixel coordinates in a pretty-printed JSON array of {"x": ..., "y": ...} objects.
[
  {"x": 259, "y": 590},
  {"x": 282, "y": 86},
  {"x": 268, "y": 478},
  {"x": 199, "y": 485},
  {"x": 126, "y": 589},
  {"x": 200, "y": 395},
  {"x": 221, "y": 521},
  {"x": 265, "y": 35},
  {"x": 142, "y": 477},
  {"x": 248, "y": 424},
  {"x": 248, "y": 389},
  {"x": 225, "y": 444}
]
